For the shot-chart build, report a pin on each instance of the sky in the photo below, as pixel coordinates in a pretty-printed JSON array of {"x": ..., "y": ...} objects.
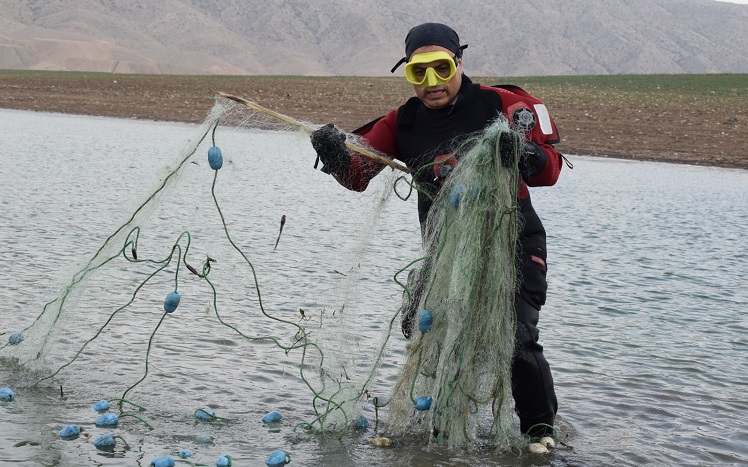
[{"x": 744, "y": 2}]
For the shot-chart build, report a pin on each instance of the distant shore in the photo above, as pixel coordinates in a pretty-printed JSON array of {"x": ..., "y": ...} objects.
[{"x": 693, "y": 119}]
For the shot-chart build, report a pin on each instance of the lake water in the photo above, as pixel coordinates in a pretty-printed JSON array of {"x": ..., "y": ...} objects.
[{"x": 645, "y": 324}]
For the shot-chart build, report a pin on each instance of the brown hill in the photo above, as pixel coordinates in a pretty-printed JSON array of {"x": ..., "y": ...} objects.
[{"x": 359, "y": 38}]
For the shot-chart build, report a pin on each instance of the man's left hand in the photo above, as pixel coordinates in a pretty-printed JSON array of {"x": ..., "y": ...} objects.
[{"x": 531, "y": 156}]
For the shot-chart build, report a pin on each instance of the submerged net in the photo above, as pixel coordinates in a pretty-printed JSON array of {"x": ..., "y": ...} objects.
[{"x": 191, "y": 266}]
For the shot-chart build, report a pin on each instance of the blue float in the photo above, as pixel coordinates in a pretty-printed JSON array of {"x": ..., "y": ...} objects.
[
  {"x": 172, "y": 302},
  {"x": 360, "y": 423},
  {"x": 425, "y": 320},
  {"x": 205, "y": 415},
  {"x": 101, "y": 406},
  {"x": 215, "y": 158},
  {"x": 271, "y": 417},
  {"x": 455, "y": 196},
  {"x": 278, "y": 458},
  {"x": 184, "y": 454},
  {"x": 162, "y": 461},
  {"x": 105, "y": 441},
  {"x": 15, "y": 338},
  {"x": 70, "y": 432},
  {"x": 108, "y": 420},
  {"x": 423, "y": 403},
  {"x": 224, "y": 461},
  {"x": 7, "y": 395}
]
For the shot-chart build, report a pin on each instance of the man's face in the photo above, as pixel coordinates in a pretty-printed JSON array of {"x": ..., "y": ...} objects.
[{"x": 437, "y": 97}]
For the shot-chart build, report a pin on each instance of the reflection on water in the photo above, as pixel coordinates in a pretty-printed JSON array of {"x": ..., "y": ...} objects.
[{"x": 644, "y": 325}]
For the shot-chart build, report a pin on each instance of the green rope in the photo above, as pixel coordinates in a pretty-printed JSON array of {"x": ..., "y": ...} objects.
[
  {"x": 147, "y": 358},
  {"x": 328, "y": 396},
  {"x": 128, "y": 402},
  {"x": 136, "y": 417},
  {"x": 79, "y": 276}
]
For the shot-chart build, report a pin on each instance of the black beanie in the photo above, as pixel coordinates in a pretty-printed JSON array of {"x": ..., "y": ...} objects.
[{"x": 431, "y": 34}]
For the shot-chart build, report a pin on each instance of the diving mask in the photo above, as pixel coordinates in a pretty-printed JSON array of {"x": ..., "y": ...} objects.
[{"x": 431, "y": 68}]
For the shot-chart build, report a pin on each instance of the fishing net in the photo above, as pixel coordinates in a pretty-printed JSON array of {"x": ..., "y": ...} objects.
[
  {"x": 204, "y": 259},
  {"x": 457, "y": 373}
]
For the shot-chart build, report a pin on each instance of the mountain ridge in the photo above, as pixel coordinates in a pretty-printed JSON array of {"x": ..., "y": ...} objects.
[{"x": 357, "y": 38}]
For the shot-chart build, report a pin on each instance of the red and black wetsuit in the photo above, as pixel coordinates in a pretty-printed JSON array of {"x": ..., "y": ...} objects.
[{"x": 416, "y": 135}]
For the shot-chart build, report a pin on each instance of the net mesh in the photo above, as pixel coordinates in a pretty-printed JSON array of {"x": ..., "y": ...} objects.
[
  {"x": 466, "y": 282},
  {"x": 466, "y": 279}
]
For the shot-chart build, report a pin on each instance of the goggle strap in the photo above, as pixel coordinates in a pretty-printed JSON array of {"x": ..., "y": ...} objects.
[
  {"x": 405, "y": 59},
  {"x": 402, "y": 60}
]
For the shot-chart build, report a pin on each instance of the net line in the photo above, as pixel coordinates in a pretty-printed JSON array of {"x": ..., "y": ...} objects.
[{"x": 460, "y": 363}]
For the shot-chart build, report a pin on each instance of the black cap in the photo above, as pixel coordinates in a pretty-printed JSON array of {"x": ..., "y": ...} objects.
[{"x": 431, "y": 34}]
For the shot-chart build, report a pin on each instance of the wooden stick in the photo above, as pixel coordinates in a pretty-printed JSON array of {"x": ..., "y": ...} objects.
[{"x": 308, "y": 128}]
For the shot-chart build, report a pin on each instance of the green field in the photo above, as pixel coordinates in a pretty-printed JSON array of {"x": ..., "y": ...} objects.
[{"x": 719, "y": 89}]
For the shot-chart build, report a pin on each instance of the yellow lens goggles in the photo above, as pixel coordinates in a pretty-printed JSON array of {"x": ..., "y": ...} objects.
[{"x": 431, "y": 68}]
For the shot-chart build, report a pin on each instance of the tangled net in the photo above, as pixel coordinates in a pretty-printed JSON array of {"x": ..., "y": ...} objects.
[
  {"x": 465, "y": 288},
  {"x": 468, "y": 284}
]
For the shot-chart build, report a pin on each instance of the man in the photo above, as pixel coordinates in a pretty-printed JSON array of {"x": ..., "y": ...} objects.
[{"x": 425, "y": 131}]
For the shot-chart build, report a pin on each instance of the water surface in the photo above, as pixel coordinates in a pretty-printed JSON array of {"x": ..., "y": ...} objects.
[{"x": 644, "y": 327}]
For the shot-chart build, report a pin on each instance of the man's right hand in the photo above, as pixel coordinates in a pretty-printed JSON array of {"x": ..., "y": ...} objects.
[{"x": 329, "y": 143}]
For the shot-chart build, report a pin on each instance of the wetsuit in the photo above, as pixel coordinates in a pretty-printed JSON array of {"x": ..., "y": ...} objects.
[{"x": 417, "y": 135}]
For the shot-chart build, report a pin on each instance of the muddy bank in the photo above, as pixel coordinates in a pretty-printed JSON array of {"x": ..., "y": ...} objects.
[{"x": 608, "y": 117}]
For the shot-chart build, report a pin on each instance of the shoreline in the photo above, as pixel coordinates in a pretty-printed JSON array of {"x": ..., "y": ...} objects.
[{"x": 664, "y": 118}]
